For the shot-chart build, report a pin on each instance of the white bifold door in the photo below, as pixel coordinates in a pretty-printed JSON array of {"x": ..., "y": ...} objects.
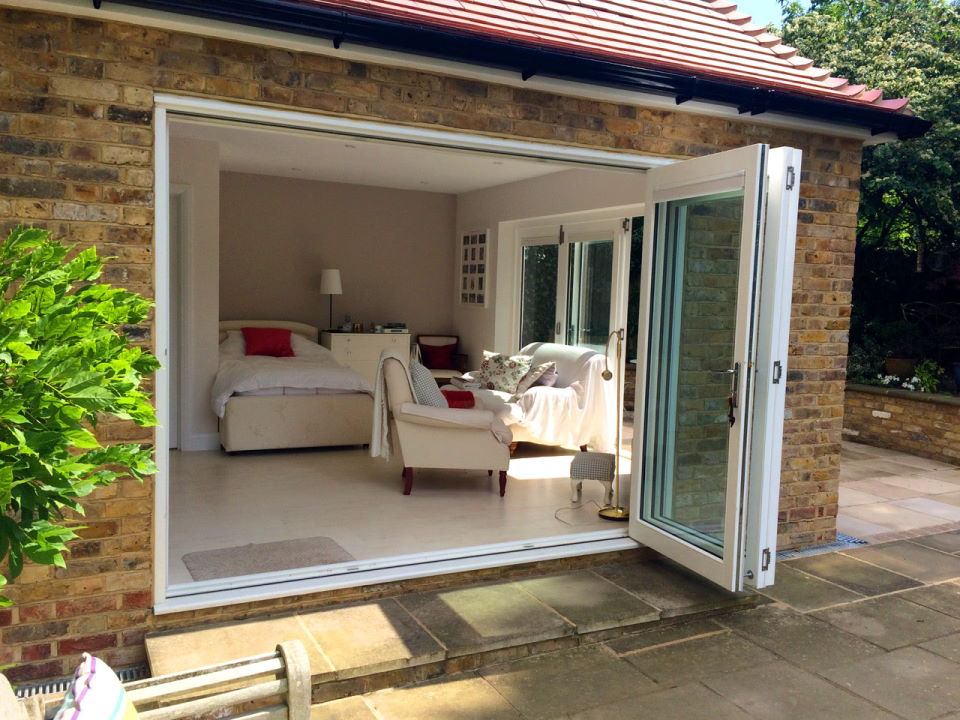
[{"x": 708, "y": 426}]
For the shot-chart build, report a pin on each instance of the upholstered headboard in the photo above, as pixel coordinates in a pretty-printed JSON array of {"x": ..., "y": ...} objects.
[{"x": 308, "y": 331}]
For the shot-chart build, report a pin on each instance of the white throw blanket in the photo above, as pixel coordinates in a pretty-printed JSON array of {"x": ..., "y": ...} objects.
[
  {"x": 380, "y": 445},
  {"x": 256, "y": 372},
  {"x": 583, "y": 413}
]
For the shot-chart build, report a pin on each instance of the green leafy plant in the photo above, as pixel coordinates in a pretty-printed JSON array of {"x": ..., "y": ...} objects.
[
  {"x": 926, "y": 377},
  {"x": 65, "y": 363}
]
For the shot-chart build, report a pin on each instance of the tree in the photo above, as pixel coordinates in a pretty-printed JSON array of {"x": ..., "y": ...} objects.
[
  {"x": 908, "y": 239},
  {"x": 65, "y": 363},
  {"x": 909, "y": 48}
]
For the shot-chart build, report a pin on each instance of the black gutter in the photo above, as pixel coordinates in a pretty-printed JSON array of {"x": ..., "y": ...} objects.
[{"x": 340, "y": 27}]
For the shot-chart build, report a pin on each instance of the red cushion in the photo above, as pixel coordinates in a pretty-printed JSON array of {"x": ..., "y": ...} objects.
[
  {"x": 462, "y": 399},
  {"x": 267, "y": 341},
  {"x": 438, "y": 357}
]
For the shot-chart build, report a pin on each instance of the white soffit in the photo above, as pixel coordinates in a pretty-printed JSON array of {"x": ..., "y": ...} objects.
[
  {"x": 307, "y": 155},
  {"x": 302, "y": 43}
]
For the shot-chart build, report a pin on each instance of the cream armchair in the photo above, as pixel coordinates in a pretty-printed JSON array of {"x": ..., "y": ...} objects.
[{"x": 430, "y": 437}]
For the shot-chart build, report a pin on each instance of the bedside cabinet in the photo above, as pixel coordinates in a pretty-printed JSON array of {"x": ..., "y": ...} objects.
[{"x": 361, "y": 351}]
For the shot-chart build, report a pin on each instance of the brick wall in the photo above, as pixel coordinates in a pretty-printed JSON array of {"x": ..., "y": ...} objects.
[
  {"x": 911, "y": 422},
  {"x": 76, "y": 107}
]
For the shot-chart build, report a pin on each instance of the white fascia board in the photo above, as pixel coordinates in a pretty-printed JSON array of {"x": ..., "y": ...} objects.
[{"x": 319, "y": 46}]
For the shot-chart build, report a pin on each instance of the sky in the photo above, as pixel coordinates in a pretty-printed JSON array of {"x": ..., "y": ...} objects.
[{"x": 764, "y": 12}]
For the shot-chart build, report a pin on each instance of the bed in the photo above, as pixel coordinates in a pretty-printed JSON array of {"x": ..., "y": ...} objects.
[{"x": 297, "y": 416}]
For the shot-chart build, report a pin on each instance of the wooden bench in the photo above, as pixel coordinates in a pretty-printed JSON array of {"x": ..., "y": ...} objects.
[{"x": 273, "y": 686}]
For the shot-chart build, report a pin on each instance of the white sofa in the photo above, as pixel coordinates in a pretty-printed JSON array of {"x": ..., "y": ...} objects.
[{"x": 580, "y": 410}]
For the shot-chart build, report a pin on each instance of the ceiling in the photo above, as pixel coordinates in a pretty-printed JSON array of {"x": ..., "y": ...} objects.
[{"x": 310, "y": 155}]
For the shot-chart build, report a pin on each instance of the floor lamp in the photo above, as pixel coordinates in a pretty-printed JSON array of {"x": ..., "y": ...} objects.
[
  {"x": 330, "y": 285},
  {"x": 615, "y": 511}
]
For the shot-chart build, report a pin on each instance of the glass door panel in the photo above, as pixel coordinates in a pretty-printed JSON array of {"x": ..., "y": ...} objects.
[
  {"x": 589, "y": 292},
  {"x": 703, "y": 230},
  {"x": 692, "y": 368},
  {"x": 538, "y": 293}
]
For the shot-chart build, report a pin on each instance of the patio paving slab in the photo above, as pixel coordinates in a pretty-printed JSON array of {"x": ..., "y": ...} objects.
[
  {"x": 853, "y": 574},
  {"x": 890, "y": 622},
  {"x": 878, "y": 488},
  {"x": 911, "y": 682},
  {"x": 945, "y": 542},
  {"x": 910, "y": 559},
  {"x": 806, "y": 592},
  {"x": 948, "y": 647},
  {"x": 370, "y": 637},
  {"x": 695, "y": 659},
  {"x": 686, "y": 702},
  {"x": 351, "y": 708},
  {"x": 944, "y": 598},
  {"x": 891, "y": 517},
  {"x": 589, "y": 601},
  {"x": 485, "y": 617},
  {"x": 210, "y": 645},
  {"x": 671, "y": 589},
  {"x": 663, "y": 635},
  {"x": 554, "y": 684},
  {"x": 803, "y": 640},
  {"x": 463, "y": 697},
  {"x": 779, "y": 691},
  {"x": 931, "y": 506}
]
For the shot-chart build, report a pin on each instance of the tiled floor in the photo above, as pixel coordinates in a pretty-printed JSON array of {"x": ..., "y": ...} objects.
[
  {"x": 872, "y": 633},
  {"x": 220, "y": 501},
  {"x": 887, "y": 495}
]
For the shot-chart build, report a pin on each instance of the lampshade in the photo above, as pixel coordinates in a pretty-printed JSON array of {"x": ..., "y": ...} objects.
[{"x": 330, "y": 282}]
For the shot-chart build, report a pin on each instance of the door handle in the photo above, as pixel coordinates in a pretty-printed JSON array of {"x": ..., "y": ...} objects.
[{"x": 734, "y": 389}]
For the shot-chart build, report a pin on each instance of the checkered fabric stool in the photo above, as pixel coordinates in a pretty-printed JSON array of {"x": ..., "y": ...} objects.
[{"x": 592, "y": 466}]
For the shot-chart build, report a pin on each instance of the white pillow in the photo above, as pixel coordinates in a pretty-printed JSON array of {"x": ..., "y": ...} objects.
[{"x": 233, "y": 346}]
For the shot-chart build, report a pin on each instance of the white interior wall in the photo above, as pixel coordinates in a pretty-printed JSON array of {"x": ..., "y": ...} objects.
[
  {"x": 394, "y": 249},
  {"x": 568, "y": 191},
  {"x": 196, "y": 164}
]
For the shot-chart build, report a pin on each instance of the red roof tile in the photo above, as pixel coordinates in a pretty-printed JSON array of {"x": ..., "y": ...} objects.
[{"x": 706, "y": 38}]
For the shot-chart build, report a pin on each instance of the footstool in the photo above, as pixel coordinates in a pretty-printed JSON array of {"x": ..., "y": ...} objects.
[{"x": 592, "y": 466}]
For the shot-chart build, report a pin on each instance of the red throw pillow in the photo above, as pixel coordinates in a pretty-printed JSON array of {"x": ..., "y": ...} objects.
[
  {"x": 438, "y": 357},
  {"x": 461, "y": 399},
  {"x": 274, "y": 342}
]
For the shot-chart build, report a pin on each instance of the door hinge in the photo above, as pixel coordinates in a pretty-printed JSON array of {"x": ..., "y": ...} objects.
[
  {"x": 561, "y": 236},
  {"x": 791, "y": 177},
  {"x": 777, "y": 371},
  {"x": 626, "y": 224},
  {"x": 765, "y": 560}
]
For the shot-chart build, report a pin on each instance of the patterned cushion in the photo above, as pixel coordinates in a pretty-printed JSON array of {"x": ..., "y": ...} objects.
[
  {"x": 532, "y": 377},
  {"x": 96, "y": 693},
  {"x": 425, "y": 387},
  {"x": 499, "y": 372},
  {"x": 593, "y": 466}
]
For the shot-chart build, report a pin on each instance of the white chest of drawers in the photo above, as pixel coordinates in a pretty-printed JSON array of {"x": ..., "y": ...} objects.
[{"x": 361, "y": 351}]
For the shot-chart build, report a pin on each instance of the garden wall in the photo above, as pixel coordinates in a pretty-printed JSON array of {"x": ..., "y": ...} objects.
[{"x": 912, "y": 422}]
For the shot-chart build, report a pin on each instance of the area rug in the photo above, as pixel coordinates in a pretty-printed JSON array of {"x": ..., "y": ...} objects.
[{"x": 264, "y": 557}]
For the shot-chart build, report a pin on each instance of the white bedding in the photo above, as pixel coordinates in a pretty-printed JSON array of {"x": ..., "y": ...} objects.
[{"x": 313, "y": 371}]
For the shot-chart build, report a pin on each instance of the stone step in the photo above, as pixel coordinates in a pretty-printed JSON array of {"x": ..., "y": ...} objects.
[{"x": 386, "y": 642}]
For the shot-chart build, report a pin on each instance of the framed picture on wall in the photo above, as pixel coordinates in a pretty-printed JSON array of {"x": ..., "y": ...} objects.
[{"x": 472, "y": 251}]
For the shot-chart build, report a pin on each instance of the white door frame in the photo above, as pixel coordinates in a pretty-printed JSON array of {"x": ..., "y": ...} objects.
[
  {"x": 357, "y": 573},
  {"x": 740, "y": 169},
  {"x": 770, "y": 184},
  {"x": 514, "y": 235}
]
